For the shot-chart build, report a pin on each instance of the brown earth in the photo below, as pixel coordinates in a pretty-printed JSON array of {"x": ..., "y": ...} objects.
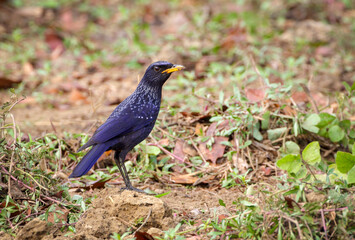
[{"x": 118, "y": 211}]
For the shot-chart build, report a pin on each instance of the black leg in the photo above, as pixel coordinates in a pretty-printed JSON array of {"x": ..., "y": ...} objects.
[
  {"x": 119, "y": 159},
  {"x": 118, "y": 163}
]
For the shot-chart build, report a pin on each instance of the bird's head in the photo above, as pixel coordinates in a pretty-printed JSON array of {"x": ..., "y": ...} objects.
[{"x": 157, "y": 73}]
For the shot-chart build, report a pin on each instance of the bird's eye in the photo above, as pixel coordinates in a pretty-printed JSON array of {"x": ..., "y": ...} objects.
[{"x": 156, "y": 68}]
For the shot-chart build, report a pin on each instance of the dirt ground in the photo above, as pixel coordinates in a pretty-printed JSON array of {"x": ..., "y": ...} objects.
[{"x": 117, "y": 211}]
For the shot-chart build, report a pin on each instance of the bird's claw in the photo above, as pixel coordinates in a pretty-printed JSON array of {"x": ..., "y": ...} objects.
[{"x": 132, "y": 189}]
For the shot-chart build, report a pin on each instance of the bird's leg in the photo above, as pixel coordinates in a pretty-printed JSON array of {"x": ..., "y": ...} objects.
[
  {"x": 118, "y": 163},
  {"x": 119, "y": 159}
]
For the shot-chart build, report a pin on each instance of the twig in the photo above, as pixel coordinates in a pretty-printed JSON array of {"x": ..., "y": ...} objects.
[
  {"x": 323, "y": 223},
  {"x": 145, "y": 221},
  {"x": 311, "y": 99},
  {"x": 28, "y": 216},
  {"x": 39, "y": 185},
  {"x": 198, "y": 151},
  {"x": 13, "y": 152},
  {"x": 295, "y": 222},
  {"x": 33, "y": 189},
  {"x": 156, "y": 143},
  {"x": 15, "y": 103},
  {"x": 262, "y": 81}
]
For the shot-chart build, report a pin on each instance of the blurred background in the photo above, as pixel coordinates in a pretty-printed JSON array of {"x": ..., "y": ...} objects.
[{"x": 75, "y": 60}]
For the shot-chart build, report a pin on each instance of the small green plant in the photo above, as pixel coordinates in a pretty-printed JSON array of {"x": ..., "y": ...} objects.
[{"x": 300, "y": 165}]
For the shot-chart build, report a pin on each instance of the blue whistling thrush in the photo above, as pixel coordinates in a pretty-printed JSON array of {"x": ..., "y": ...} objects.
[{"x": 130, "y": 123}]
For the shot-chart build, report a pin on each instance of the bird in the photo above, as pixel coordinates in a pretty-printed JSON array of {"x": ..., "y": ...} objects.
[{"x": 130, "y": 123}]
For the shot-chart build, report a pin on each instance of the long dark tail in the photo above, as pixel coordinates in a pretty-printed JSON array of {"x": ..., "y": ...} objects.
[{"x": 88, "y": 160}]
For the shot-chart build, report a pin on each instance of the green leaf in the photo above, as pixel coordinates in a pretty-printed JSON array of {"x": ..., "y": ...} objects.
[
  {"x": 345, "y": 124},
  {"x": 352, "y": 133},
  {"x": 311, "y": 154},
  {"x": 292, "y": 148},
  {"x": 248, "y": 204},
  {"x": 153, "y": 150},
  {"x": 351, "y": 175},
  {"x": 274, "y": 134},
  {"x": 353, "y": 87},
  {"x": 336, "y": 133},
  {"x": 256, "y": 134},
  {"x": 265, "y": 121},
  {"x": 247, "y": 143},
  {"x": 325, "y": 119},
  {"x": 345, "y": 161},
  {"x": 291, "y": 163},
  {"x": 311, "y": 122},
  {"x": 162, "y": 194},
  {"x": 353, "y": 150},
  {"x": 347, "y": 86},
  {"x": 221, "y": 203},
  {"x": 301, "y": 173},
  {"x": 296, "y": 127}
]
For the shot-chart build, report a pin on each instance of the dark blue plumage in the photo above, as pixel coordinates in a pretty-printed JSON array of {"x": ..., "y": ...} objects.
[{"x": 130, "y": 123}]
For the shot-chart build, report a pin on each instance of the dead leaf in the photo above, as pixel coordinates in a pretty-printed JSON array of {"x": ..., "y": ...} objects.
[
  {"x": 15, "y": 207},
  {"x": 266, "y": 170},
  {"x": 299, "y": 97},
  {"x": 199, "y": 129},
  {"x": 183, "y": 179},
  {"x": 6, "y": 82},
  {"x": 240, "y": 163},
  {"x": 189, "y": 150},
  {"x": 178, "y": 150},
  {"x": 33, "y": 11},
  {"x": 234, "y": 37},
  {"x": 164, "y": 142},
  {"x": 289, "y": 111},
  {"x": 59, "y": 213},
  {"x": 194, "y": 238},
  {"x": 221, "y": 217},
  {"x": 96, "y": 184},
  {"x": 289, "y": 202},
  {"x": 55, "y": 43},
  {"x": 211, "y": 129},
  {"x": 28, "y": 68},
  {"x": 143, "y": 236},
  {"x": 217, "y": 150},
  {"x": 324, "y": 51},
  {"x": 71, "y": 21},
  {"x": 254, "y": 94},
  {"x": 76, "y": 97}
]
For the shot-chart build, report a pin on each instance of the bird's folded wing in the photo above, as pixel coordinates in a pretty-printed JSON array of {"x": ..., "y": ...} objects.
[{"x": 117, "y": 126}]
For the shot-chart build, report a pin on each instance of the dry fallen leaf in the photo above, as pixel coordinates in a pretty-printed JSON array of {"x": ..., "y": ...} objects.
[
  {"x": 217, "y": 150},
  {"x": 76, "y": 97},
  {"x": 60, "y": 214},
  {"x": 143, "y": 236},
  {"x": 178, "y": 150},
  {"x": 255, "y": 95},
  {"x": 6, "y": 82},
  {"x": 183, "y": 179}
]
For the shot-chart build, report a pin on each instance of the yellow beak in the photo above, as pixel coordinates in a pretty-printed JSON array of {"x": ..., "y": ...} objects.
[{"x": 173, "y": 69}]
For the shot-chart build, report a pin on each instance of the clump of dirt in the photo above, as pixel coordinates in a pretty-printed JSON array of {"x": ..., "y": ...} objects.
[
  {"x": 35, "y": 229},
  {"x": 114, "y": 211}
]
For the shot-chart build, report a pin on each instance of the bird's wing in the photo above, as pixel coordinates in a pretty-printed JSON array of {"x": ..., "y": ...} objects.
[{"x": 118, "y": 125}]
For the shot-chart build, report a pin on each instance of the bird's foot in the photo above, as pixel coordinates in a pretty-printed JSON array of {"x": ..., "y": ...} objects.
[{"x": 130, "y": 188}]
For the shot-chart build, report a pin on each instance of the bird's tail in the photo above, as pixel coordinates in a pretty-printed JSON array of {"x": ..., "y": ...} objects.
[{"x": 88, "y": 160}]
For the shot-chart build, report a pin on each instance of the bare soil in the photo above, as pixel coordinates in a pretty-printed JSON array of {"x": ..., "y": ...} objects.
[{"x": 119, "y": 211}]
